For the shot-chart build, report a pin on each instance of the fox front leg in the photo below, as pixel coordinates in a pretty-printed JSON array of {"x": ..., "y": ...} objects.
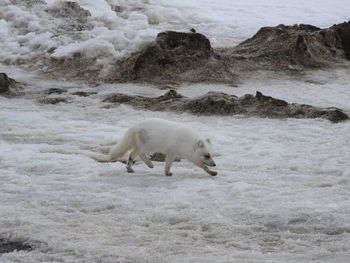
[
  {"x": 168, "y": 162},
  {"x": 205, "y": 168}
]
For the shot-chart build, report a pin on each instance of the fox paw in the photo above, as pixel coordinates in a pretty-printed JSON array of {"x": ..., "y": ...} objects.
[
  {"x": 169, "y": 174},
  {"x": 130, "y": 170},
  {"x": 212, "y": 173}
]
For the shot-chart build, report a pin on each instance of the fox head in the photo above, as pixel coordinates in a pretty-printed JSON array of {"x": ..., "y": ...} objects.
[{"x": 203, "y": 153}]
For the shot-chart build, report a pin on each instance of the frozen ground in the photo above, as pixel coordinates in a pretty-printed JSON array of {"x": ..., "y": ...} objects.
[
  {"x": 34, "y": 31},
  {"x": 282, "y": 194}
]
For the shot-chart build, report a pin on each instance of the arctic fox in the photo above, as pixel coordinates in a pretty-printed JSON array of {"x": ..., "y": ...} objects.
[{"x": 173, "y": 139}]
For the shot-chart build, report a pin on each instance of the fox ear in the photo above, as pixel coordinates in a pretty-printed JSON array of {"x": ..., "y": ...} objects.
[{"x": 198, "y": 144}]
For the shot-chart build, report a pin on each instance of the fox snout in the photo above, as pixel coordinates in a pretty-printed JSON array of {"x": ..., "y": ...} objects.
[{"x": 212, "y": 163}]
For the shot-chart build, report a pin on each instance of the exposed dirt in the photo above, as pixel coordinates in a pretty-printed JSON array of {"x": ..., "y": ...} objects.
[
  {"x": 289, "y": 48},
  {"x": 189, "y": 57},
  {"x": 218, "y": 103},
  {"x": 174, "y": 56},
  {"x": 180, "y": 57}
]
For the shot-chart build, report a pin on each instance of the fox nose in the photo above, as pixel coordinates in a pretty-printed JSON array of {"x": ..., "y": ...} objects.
[{"x": 214, "y": 164}]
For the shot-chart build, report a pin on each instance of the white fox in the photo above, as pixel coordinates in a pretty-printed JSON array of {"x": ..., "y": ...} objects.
[{"x": 173, "y": 139}]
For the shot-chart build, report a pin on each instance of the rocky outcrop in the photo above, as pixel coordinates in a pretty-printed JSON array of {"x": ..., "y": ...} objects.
[
  {"x": 292, "y": 47},
  {"x": 218, "y": 103},
  {"x": 189, "y": 57},
  {"x": 6, "y": 83},
  {"x": 175, "y": 56}
]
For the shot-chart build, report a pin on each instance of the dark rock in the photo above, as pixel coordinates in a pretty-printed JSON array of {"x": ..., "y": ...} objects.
[
  {"x": 83, "y": 93},
  {"x": 53, "y": 100},
  {"x": 174, "y": 56},
  {"x": 218, "y": 103},
  {"x": 343, "y": 30},
  {"x": 117, "y": 8},
  {"x": 211, "y": 103},
  {"x": 189, "y": 57},
  {"x": 7, "y": 246},
  {"x": 5, "y": 83},
  {"x": 169, "y": 101},
  {"x": 55, "y": 91},
  {"x": 177, "y": 57},
  {"x": 337, "y": 115},
  {"x": 286, "y": 47}
]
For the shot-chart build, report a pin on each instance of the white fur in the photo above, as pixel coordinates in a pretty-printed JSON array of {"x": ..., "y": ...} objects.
[{"x": 173, "y": 139}]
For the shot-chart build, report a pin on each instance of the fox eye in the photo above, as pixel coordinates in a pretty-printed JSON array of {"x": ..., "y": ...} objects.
[{"x": 207, "y": 156}]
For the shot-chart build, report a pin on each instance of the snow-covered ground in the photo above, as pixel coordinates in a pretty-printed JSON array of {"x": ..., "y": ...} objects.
[
  {"x": 34, "y": 30},
  {"x": 282, "y": 194}
]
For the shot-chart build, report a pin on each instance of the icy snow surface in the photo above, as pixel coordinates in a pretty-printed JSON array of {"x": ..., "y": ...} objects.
[
  {"x": 282, "y": 194},
  {"x": 34, "y": 30}
]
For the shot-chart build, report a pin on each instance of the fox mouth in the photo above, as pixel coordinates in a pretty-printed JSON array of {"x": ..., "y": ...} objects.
[{"x": 211, "y": 164}]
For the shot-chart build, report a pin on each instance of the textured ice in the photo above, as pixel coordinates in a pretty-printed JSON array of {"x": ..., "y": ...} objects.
[
  {"x": 281, "y": 194},
  {"x": 33, "y": 30}
]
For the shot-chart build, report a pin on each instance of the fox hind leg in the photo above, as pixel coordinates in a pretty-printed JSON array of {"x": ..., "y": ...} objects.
[
  {"x": 145, "y": 159},
  {"x": 131, "y": 162}
]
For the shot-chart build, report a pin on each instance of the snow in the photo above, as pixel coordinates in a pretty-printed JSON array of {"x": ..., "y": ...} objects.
[
  {"x": 281, "y": 194},
  {"x": 118, "y": 27}
]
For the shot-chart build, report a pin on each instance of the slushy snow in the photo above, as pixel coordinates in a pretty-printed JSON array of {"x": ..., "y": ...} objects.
[{"x": 282, "y": 194}]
